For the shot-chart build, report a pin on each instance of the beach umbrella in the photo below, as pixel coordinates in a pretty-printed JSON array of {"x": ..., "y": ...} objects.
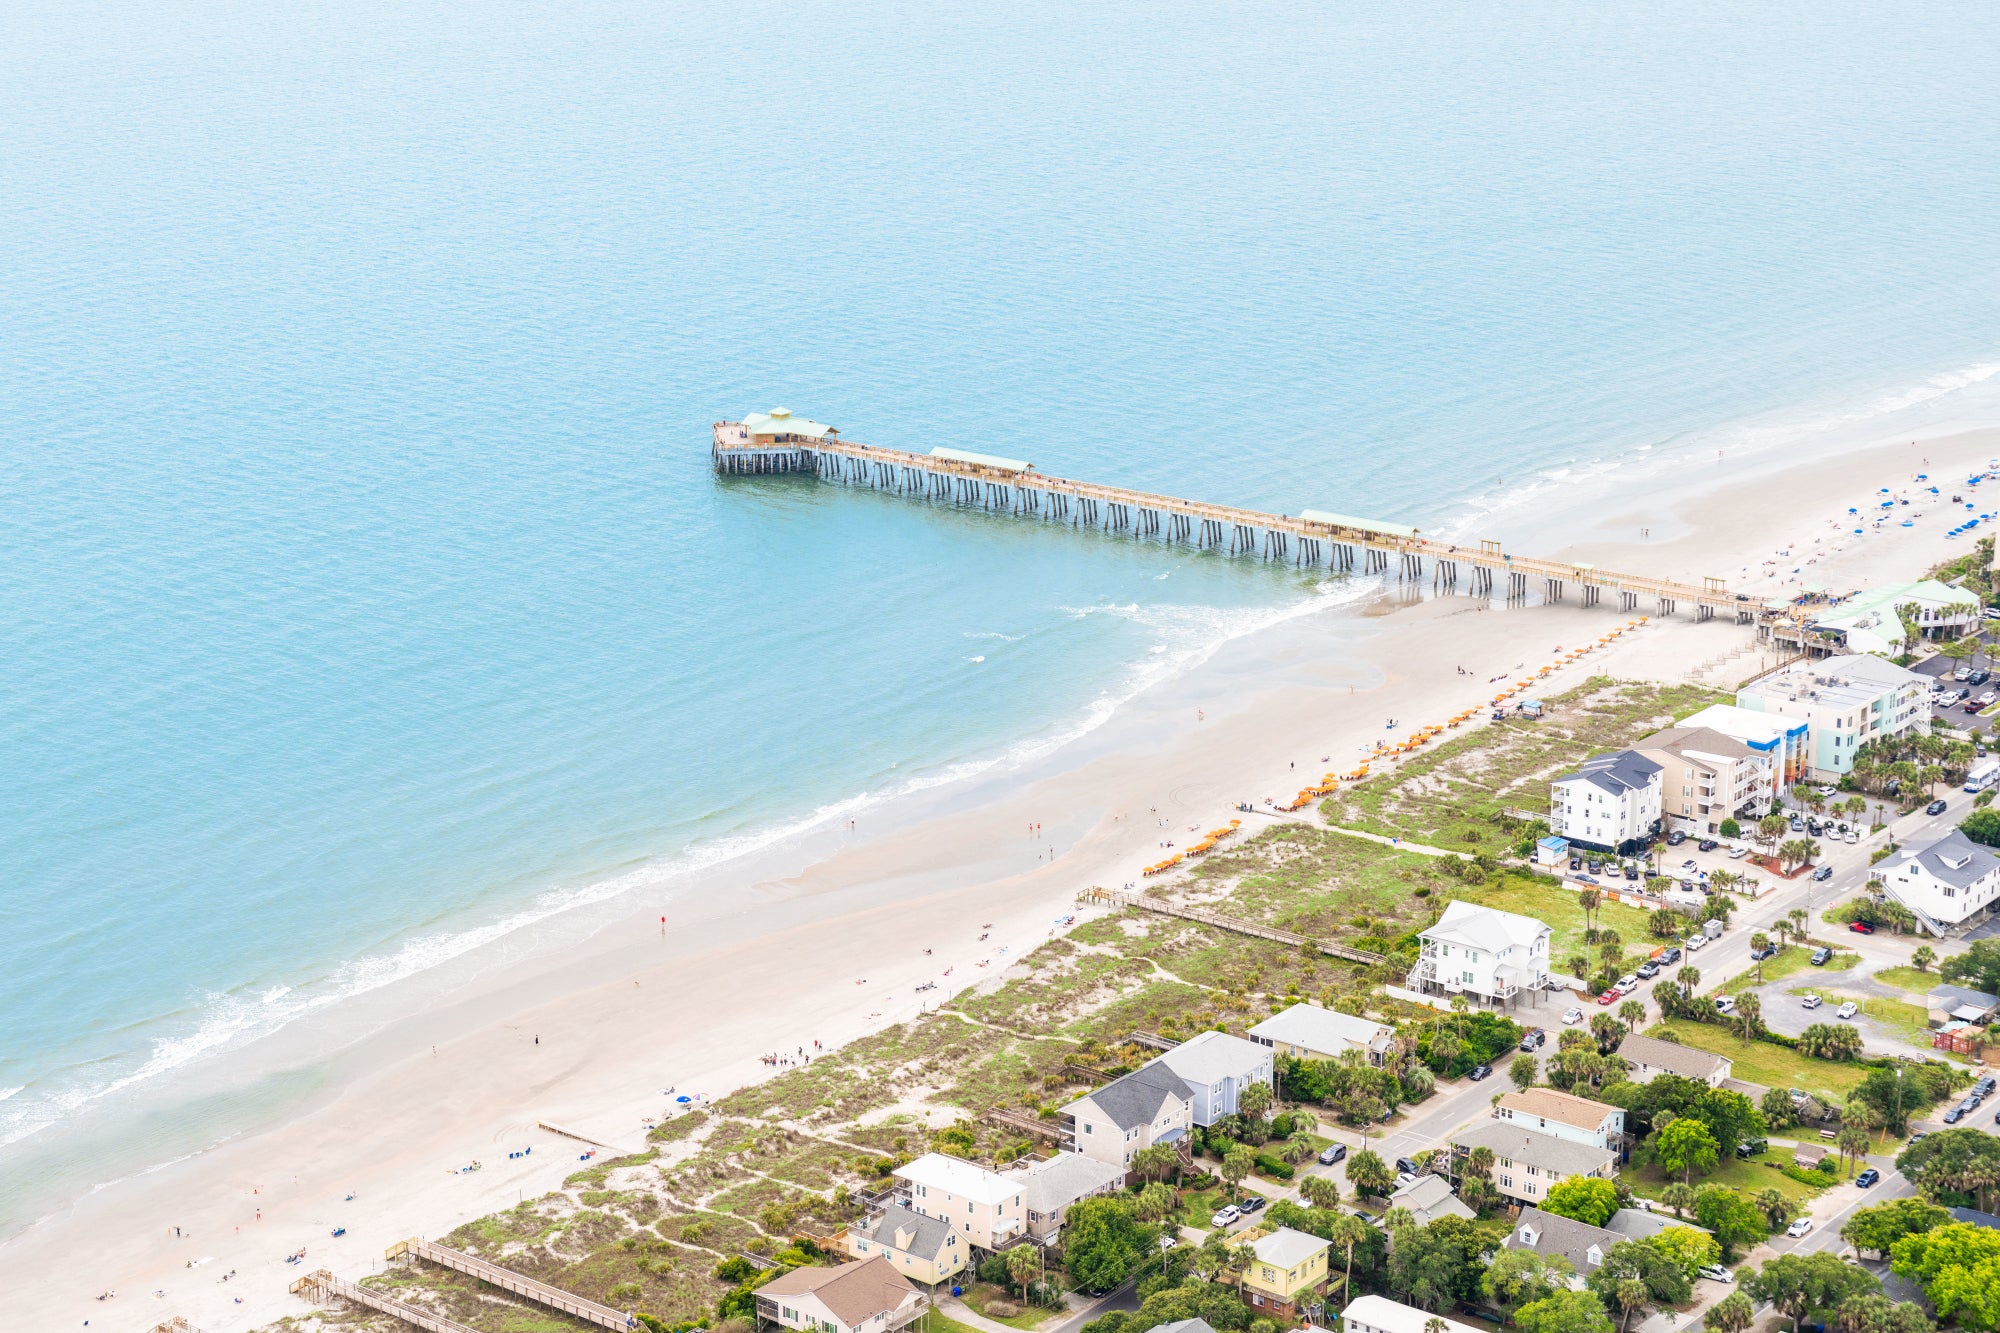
[
  {"x": 683, "y": 1098},
  {"x": 1854, "y": 511}
]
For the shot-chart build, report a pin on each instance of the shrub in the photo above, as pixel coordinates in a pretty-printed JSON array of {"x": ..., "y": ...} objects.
[
  {"x": 1729, "y": 828},
  {"x": 1275, "y": 1168}
]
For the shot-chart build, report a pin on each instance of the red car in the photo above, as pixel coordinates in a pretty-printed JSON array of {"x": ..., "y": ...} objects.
[
  {"x": 1609, "y": 997},
  {"x": 1861, "y": 928}
]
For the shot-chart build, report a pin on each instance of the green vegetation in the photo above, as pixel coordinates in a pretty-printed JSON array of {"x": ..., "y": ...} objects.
[
  {"x": 1762, "y": 1062},
  {"x": 1907, "y": 979},
  {"x": 1747, "y": 1176}
]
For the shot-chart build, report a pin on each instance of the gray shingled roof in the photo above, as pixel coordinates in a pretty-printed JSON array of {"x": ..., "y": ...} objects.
[
  {"x": 1061, "y": 1180},
  {"x": 1687, "y": 1061},
  {"x": 1955, "y": 859},
  {"x": 1135, "y": 1099},
  {"x": 1702, "y": 740},
  {"x": 1566, "y": 1236},
  {"x": 1183, "y": 1326},
  {"x": 1510, "y": 1141},
  {"x": 927, "y": 1235},
  {"x": 1618, "y": 772},
  {"x": 1210, "y": 1057}
]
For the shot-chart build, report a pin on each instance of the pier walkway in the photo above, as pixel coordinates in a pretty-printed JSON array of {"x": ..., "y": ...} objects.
[
  {"x": 772, "y": 443},
  {"x": 323, "y": 1286},
  {"x": 1235, "y": 925},
  {"x": 541, "y": 1293}
]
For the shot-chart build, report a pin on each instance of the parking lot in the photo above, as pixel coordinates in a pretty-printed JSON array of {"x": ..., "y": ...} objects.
[{"x": 1983, "y": 679}]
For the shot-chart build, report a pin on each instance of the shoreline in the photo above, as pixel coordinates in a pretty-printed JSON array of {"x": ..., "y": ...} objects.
[{"x": 881, "y": 899}]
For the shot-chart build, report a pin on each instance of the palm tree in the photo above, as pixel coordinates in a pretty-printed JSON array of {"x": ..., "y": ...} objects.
[
  {"x": 1797, "y": 916},
  {"x": 1749, "y": 1012},
  {"x": 1479, "y": 1162},
  {"x": 1632, "y": 1013},
  {"x": 1688, "y": 977},
  {"x": 1605, "y": 1028},
  {"x": 1731, "y": 1314},
  {"x": 1254, "y": 1101},
  {"x": 1346, "y": 1232},
  {"x": 1853, "y": 1143},
  {"x": 1024, "y": 1265},
  {"x": 1679, "y": 1197},
  {"x": 1321, "y": 1191},
  {"x": 1759, "y": 942},
  {"x": 1155, "y": 1162},
  {"x": 1773, "y": 1204},
  {"x": 1588, "y": 900},
  {"x": 1298, "y": 1146},
  {"x": 1435, "y": 1325},
  {"x": 1923, "y": 958},
  {"x": 1631, "y": 1295}
]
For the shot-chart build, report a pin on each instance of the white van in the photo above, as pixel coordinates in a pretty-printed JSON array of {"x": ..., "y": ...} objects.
[{"x": 1981, "y": 775}]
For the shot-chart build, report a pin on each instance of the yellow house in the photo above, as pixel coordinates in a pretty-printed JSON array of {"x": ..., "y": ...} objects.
[
  {"x": 1287, "y": 1276},
  {"x": 923, "y": 1249}
]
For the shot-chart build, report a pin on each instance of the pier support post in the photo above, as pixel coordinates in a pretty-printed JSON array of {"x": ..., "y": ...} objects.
[
  {"x": 1553, "y": 590},
  {"x": 1590, "y": 592},
  {"x": 1628, "y": 600},
  {"x": 1666, "y": 606}
]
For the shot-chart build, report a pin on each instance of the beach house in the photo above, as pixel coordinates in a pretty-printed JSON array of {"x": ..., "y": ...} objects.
[
  {"x": 988, "y": 1209},
  {"x": 923, "y": 1249},
  {"x": 1147, "y": 1106},
  {"x": 1308, "y": 1032},
  {"x": 1379, "y": 1314},
  {"x": 1057, "y": 1183},
  {"x": 868, "y": 1296},
  {"x": 1551, "y": 1234},
  {"x": 1482, "y": 953},
  {"x": 1647, "y": 1058},
  {"x": 1428, "y": 1198},
  {"x": 1610, "y": 801},
  {"x": 1787, "y": 740},
  {"x": 1216, "y": 1067},
  {"x": 1945, "y": 882},
  {"x": 1286, "y": 1274},
  {"x": 1563, "y": 1115},
  {"x": 1872, "y": 621},
  {"x": 1847, "y": 701},
  {"x": 1708, "y": 777},
  {"x": 1526, "y": 1164}
]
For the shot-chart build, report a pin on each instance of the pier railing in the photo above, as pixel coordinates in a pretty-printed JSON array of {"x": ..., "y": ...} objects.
[
  {"x": 1236, "y": 925},
  {"x": 323, "y": 1286},
  {"x": 1242, "y": 531},
  {"x": 506, "y": 1279}
]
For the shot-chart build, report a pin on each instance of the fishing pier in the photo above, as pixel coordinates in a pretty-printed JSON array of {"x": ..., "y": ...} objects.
[{"x": 776, "y": 442}]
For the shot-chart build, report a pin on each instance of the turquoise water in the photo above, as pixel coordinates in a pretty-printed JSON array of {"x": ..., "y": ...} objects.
[{"x": 365, "y": 595}]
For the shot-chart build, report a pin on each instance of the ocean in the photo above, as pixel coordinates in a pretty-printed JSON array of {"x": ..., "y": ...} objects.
[{"x": 367, "y": 601}]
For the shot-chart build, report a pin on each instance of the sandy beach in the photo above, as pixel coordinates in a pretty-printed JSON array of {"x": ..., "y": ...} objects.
[{"x": 824, "y": 941}]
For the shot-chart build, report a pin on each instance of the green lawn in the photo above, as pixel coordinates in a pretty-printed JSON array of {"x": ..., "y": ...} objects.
[
  {"x": 1560, "y": 910},
  {"x": 979, "y": 1293},
  {"x": 1789, "y": 961},
  {"x": 1197, "y": 1206},
  {"x": 1745, "y": 1175},
  {"x": 1908, "y": 979},
  {"x": 1761, "y": 1062}
]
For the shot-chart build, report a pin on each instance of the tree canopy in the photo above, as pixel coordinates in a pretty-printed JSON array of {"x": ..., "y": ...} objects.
[
  {"x": 1730, "y": 1218},
  {"x": 1798, "y": 1284},
  {"x": 1103, "y": 1241},
  {"x": 1586, "y": 1199},
  {"x": 1564, "y": 1312},
  {"x": 1958, "y": 1266},
  {"x": 1686, "y": 1146},
  {"x": 1876, "y": 1229}
]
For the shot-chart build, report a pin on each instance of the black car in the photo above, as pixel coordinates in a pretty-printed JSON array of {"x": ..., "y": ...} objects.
[
  {"x": 1251, "y": 1204},
  {"x": 1759, "y": 955},
  {"x": 1821, "y": 957},
  {"x": 1934, "y": 808},
  {"x": 1329, "y": 1156},
  {"x": 1823, "y": 874},
  {"x": 1707, "y": 845},
  {"x": 1979, "y": 677},
  {"x": 1671, "y": 956},
  {"x": 1751, "y": 1147},
  {"x": 1479, "y": 1072},
  {"x": 1868, "y": 1177},
  {"x": 1954, "y": 1115},
  {"x": 1405, "y": 1167},
  {"x": 1631, "y": 872},
  {"x": 1676, "y": 838},
  {"x": 1576, "y": 863},
  {"x": 1532, "y": 1038},
  {"x": 1984, "y": 1087}
]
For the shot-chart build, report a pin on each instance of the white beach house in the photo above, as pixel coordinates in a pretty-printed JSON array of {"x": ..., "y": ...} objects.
[
  {"x": 1483, "y": 953},
  {"x": 1563, "y": 1115},
  {"x": 1610, "y": 802},
  {"x": 1308, "y": 1032},
  {"x": 1946, "y": 882}
]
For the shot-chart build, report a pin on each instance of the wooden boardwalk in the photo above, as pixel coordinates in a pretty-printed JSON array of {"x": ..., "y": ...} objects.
[
  {"x": 1334, "y": 541},
  {"x": 1233, "y": 924},
  {"x": 506, "y": 1279},
  {"x": 323, "y": 1286}
]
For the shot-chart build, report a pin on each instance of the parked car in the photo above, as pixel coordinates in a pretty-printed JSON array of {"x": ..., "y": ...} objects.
[
  {"x": 1759, "y": 955},
  {"x": 1335, "y": 1153},
  {"x": 1738, "y": 853},
  {"x": 1628, "y": 983},
  {"x": 1676, "y": 838},
  {"x": 1725, "y": 1004},
  {"x": 1861, "y": 927},
  {"x": 1847, "y": 1010},
  {"x": 1631, "y": 872},
  {"x": 1751, "y": 1147},
  {"x": 1954, "y": 1115},
  {"x": 1979, "y": 676},
  {"x": 1868, "y": 1177},
  {"x": 1821, "y": 957},
  {"x": 1251, "y": 1204},
  {"x": 1406, "y": 1166},
  {"x": 1670, "y": 957},
  {"x": 1609, "y": 997},
  {"x": 1695, "y": 942},
  {"x": 1799, "y": 1228},
  {"x": 1532, "y": 1038},
  {"x": 1852, "y": 835},
  {"x": 1690, "y": 865},
  {"x": 1576, "y": 863},
  {"x": 1984, "y": 1087},
  {"x": 1707, "y": 845},
  {"x": 1572, "y": 1015},
  {"x": 1593, "y": 865},
  {"x": 1934, "y": 808},
  {"x": 1798, "y": 825},
  {"x": 1717, "y": 1273},
  {"x": 1823, "y": 874},
  {"x": 1963, "y": 673},
  {"x": 1479, "y": 1072},
  {"x": 1649, "y": 969},
  {"x": 1228, "y": 1213},
  {"x": 1811, "y": 1002}
]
